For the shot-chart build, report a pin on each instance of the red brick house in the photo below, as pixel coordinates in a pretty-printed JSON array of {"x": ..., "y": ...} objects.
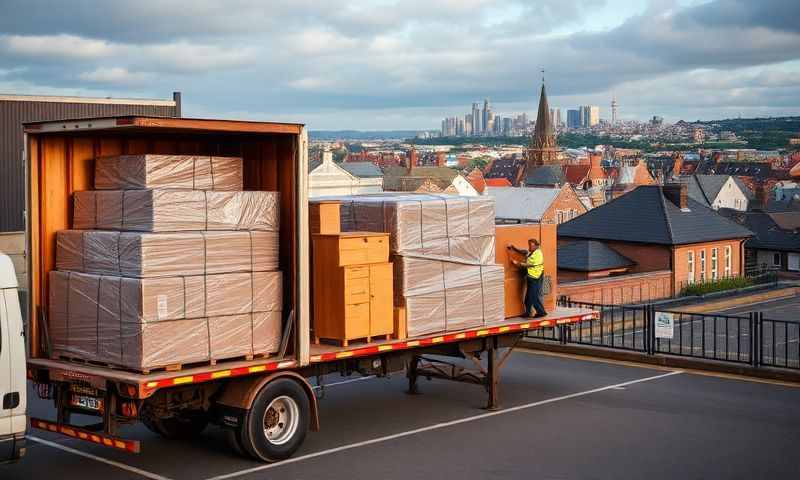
[{"x": 660, "y": 229}]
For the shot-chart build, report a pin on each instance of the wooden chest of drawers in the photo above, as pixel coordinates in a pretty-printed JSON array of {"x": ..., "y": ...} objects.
[{"x": 353, "y": 287}]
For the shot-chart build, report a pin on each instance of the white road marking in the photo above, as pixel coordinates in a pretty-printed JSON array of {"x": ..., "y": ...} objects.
[
  {"x": 138, "y": 471},
  {"x": 439, "y": 426}
]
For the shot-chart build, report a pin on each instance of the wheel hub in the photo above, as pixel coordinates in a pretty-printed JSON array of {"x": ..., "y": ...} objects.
[{"x": 281, "y": 420}]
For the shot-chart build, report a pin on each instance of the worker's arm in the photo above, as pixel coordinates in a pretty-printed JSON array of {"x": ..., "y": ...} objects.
[{"x": 521, "y": 251}]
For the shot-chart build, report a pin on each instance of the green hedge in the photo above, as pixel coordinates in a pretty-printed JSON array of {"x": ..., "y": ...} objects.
[{"x": 729, "y": 283}]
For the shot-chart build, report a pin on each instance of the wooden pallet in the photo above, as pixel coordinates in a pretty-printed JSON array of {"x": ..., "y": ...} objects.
[{"x": 346, "y": 342}]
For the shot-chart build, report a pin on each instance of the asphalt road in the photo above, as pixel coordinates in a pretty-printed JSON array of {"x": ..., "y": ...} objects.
[
  {"x": 564, "y": 418},
  {"x": 787, "y": 309}
]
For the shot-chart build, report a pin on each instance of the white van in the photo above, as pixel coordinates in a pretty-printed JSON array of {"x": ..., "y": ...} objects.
[{"x": 13, "y": 420}]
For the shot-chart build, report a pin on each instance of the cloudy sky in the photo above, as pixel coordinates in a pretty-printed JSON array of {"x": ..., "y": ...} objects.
[{"x": 405, "y": 64}]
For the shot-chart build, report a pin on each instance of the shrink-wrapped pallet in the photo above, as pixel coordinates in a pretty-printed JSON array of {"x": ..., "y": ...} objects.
[
  {"x": 117, "y": 320},
  {"x": 445, "y": 225},
  {"x": 267, "y": 332},
  {"x": 158, "y": 344},
  {"x": 191, "y": 172},
  {"x": 139, "y": 254},
  {"x": 446, "y": 295},
  {"x": 176, "y": 210}
]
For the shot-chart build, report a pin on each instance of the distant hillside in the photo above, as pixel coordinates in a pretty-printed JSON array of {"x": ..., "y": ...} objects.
[{"x": 361, "y": 135}]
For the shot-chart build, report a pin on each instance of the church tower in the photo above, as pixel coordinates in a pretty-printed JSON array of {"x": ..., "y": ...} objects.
[{"x": 542, "y": 149}]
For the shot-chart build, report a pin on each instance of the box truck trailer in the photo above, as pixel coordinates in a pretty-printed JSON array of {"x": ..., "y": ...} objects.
[{"x": 266, "y": 405}]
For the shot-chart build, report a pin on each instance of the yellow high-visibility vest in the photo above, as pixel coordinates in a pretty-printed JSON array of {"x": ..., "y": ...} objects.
[{"x": 535, "y": 262}]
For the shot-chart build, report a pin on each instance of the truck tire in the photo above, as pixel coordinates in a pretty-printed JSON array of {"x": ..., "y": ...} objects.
[
  {"x": 276, "y": 424},
  {"x": 177, "y": 427}
]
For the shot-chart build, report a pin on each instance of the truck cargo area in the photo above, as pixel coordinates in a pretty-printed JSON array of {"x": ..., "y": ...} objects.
[{"x": 410, "y": 285}]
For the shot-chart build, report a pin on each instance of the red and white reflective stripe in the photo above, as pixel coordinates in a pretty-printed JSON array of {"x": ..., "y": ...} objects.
[
  {"x": 208, "y": 376},
  {"x": 131, "y": 446},
  {"x": 449, "y": 338}
]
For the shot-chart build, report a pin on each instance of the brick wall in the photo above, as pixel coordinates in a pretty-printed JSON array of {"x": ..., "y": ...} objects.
[
  {"x": 566, "y": 201},
  {"x": 681, "y": 260},
  {"x": 648, "y": 257},
  {"x": 633, "y": 288}
]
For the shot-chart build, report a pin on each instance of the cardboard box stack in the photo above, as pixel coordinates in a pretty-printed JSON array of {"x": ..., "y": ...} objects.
[
  {"x": 443, "y": 250},
  {"x": 173, "y": 264}
]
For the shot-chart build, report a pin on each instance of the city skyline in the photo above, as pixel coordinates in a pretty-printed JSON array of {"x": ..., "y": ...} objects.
[{"x": 405, "y": 65}]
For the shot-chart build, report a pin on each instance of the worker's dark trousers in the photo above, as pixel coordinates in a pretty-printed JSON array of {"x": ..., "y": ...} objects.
[{"x": 533, "y": 296}]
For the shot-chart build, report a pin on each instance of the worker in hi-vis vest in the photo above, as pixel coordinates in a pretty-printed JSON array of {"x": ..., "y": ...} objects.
[{"x": 534, "y": 275}]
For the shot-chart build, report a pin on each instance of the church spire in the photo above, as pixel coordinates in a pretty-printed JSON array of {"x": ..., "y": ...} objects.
[{"x": 542, "y": 147}]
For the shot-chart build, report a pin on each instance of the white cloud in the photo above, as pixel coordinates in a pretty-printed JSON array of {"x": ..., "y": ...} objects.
[
  {"x": 57, "y": 46},
  {"x": 115, "y": 76}
]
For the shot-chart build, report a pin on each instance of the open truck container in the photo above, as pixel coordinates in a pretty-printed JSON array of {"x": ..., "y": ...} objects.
[{"x": 266, "y": 405}]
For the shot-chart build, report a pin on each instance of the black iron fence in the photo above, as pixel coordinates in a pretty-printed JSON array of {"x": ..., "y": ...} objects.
[{"x": 750, "y": 339}]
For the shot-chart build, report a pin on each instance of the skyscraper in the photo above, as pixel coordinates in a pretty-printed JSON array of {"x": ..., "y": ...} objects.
[
  {"x": 573, "y": 119},
  {"x": 594, "y": 115},
  {"x": 477, "y": 119},
  {"x": 468, "y": 124},
  {"x": 486, "y": 112},
  {"x": 555, "y": 116},
  {"x": 614, "y": 110},
  {"x": 590, "y": 115}
]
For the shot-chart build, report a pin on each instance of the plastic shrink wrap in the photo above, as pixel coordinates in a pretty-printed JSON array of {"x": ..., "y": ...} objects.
[
  {"x": 175, "y": 210},
  {"x": 444, "y": 225},
  {"x": 155, "y": 322},
  {"x": 446, "y": 295},
  {"x": 136, "y": 254},
  {"x": 191, "y": 172}
]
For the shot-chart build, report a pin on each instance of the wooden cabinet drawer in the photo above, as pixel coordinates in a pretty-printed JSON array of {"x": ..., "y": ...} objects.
[
  {"x": 356, "y": 320},
  {"x": 356, "y": 290},
  {"x": 353, "y": 271}
]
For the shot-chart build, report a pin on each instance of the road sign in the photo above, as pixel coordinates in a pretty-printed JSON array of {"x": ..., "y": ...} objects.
[{"x": 665, "y": 325}]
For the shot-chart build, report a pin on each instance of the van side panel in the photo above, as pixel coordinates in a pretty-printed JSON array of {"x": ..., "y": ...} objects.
[
  {"x": 5, "y": 372},
  {"x": 16, "y": 350}
]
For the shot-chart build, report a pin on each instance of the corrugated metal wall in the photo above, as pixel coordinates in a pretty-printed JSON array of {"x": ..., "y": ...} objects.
[{"x": 14, "y": 113}]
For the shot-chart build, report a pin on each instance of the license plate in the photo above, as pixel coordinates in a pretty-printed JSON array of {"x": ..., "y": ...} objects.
[{"x": 87, "y": 402}]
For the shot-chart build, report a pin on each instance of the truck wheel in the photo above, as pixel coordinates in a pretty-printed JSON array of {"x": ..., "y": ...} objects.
[
  {"x": 177, "y": 427},
  {"x": 276, "y": 424}
]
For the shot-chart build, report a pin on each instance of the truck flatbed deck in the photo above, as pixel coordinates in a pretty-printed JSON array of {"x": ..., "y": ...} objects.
[{"x": 147, "y": 384}]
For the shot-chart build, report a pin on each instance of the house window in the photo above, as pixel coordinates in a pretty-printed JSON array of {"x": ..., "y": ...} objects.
[
  {"x": 702, "y": 265},
  {"x": 728, "y": 261},
  {"x": 690, "y": 267},
  {"x": 714, "y": 252},
  {"x": 559, "y": 216},
  {"x": 776, "y": 259}
]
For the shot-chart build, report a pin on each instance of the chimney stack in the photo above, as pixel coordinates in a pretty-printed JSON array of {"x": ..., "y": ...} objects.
[
  {"x": 678, "y": 194},
  {"x": 327, "y": 156},
  {"x": 412, "y": 159}
]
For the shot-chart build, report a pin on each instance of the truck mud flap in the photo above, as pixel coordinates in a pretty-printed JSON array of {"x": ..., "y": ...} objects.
[{"x": 130, "y": 446}]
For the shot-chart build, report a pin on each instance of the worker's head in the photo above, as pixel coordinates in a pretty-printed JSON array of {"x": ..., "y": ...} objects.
[{"x": 533, "y": 244}]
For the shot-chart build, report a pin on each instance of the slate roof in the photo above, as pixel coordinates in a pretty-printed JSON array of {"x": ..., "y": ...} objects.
[
  {"x": 768, "y": 233},
  {"x": 403, "y": 180},
  {"x": 706, "y": 188},
  {"x": 758, "y": 170},
  {"x": 646, "y": 215},
  {"x": 545, "y": 175},
  {"x": 362, "y": 169},
  {"x": 507, "y": 167},
  {"x": 523, "y": 204},
  {"x": 590, "y": 256}
]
